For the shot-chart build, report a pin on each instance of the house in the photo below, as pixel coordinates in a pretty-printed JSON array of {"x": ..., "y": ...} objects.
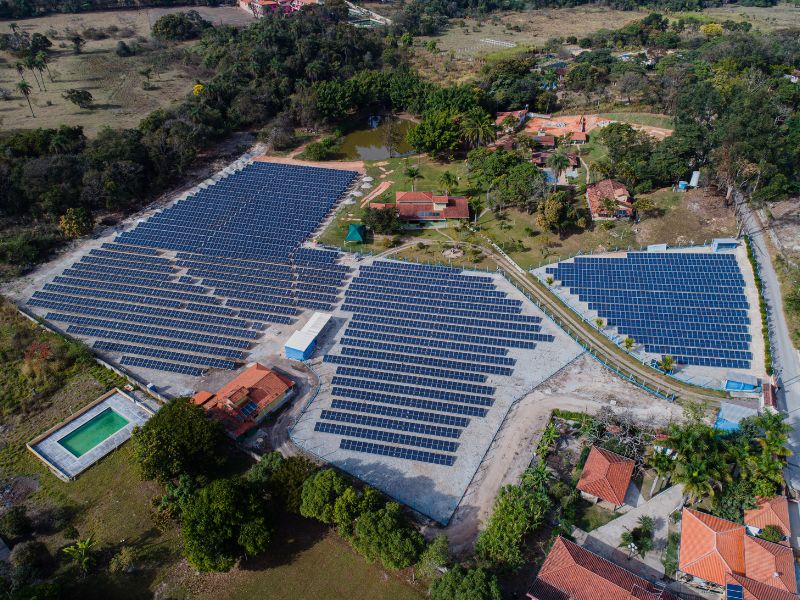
[
  {"x": 426, "y": 208},
  {"x": 540, "y": 160},
  {"x": 769, "y": 511},
  {"x": 578, "y": 138},
  {"x": 611, "y": 189},
  {"x": 605, "y": 476},
  {"x": 571, "y": 572},
  {"x": 244, "y": 402},
  {"x": 260, "y": 8},
  {"x": 546, "y": 141},
  {"x": 715, "y": 550},
  {"x": 738, "y": 587},
  {"x": 517, "y": 120}
]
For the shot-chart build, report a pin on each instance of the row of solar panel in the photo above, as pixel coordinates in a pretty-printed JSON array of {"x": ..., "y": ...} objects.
[
  {"x": 131, "y": 249},
  {"x": 699, "y": 352},
  {"x": 135, "y": 361},
  {"x": 385, "y": 436},
  {"x": 121, "y": 278},
  {"x": 154, "y": 341},
  {"x": 656, "y": 301},
  {"x": 416, "y": 403},
  {"x": 474, "y": 367},
  {"x": 159, "y": 353},
  {"x": 713, "y": 362},
  {"x": 690, "y": 334},
  {"x": 427, "y": 350},
  {"x": 382, "y": 423},
  {"x": 485, "y": 340},
  {"x": 413, "y": 392},
  {"x": 684, "y": 344},
  {"x": 431, "y": 312},
  {"x": 415, "y": 380},
  {"x": 406, "y": 453},
  {"x": 404, "y": 368},
  {"x": 402, "y": 301},
  {"x": 126, "y": 256},
  {"x": 356, "y": 286},
  {"x": 261, "y": 306},
  {"x": 128, "y": 264},
  {"x": 422, "y": 342},
  {"x": 523, "y": 332},
  {"x": 412, "y": 316},
  {"x": 120, "y": 296},
  {"x": 683, "y": 312},
  {"x": 456, "y": 289},
  {"x": 400, "y": 413}
]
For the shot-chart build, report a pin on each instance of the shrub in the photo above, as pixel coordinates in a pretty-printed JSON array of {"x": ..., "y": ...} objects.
[
  {"x": 123, "y": 561},
  {"x": 319, "y": 495},
  {"x": 384, "y": 535},
  {"x": 123, "y": 49},
  {"x": 461, "y": 584},
  {"x": 29, "y": 560},
  {"x": 772, "y": 533},
  {"x": 15, "y": 523},
  {"x": 180, "y": 26}
]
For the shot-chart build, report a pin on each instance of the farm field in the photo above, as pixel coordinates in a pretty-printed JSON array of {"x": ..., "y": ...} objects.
[{"x": 116, "y": 83}]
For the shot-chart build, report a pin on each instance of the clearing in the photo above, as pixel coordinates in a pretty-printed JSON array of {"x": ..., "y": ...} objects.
[{"x": 122, "y": 94}]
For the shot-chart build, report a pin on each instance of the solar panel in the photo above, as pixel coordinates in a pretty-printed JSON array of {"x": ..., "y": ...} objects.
[
  {"x": 385, "y": 436},
  {"x": 135, "y": 361},
  {"x": 406, "y": 453}
]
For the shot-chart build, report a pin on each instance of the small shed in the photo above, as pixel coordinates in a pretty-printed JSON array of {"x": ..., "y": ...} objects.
[
  {"x": 302, "y": 343},
  {"x": 657, "y": 248},
  {"x": 695, "y": 179},
  {"x": 721, "y": 244},
  {"x": 740, "y": 382},
  {"x": 355, "y": 233}
]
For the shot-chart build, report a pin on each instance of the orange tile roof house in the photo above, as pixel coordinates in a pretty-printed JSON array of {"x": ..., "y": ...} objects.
[
  {"x": 242, "y": 403},
  {"x": 608, "y": 188},
  {"x": 573, "y": 573},
  {"x": 606, "y": 476},
  {"x": 426, "y": 207},
  {"x": 517, "y": 119},
  {"x": 714, "y": 550},
  {"x": 754, "y": 590},
  {"x": 770, "y": 511}
]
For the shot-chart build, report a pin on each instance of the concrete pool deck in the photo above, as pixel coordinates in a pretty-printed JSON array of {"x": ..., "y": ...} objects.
[{"x": 67, "y": 466}]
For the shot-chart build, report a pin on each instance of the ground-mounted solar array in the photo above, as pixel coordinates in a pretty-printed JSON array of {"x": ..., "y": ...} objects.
[
  {"x": 422, "y": 375},
  {"x": 691, "y": 306},
  {"x": 195, "y": 285}
]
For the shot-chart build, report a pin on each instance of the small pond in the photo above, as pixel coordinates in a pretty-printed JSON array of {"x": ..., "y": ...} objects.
[{"x": 370, "y": 140}]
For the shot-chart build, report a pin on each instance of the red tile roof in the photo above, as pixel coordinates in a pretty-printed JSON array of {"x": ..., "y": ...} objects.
[
  {"x": 426, "y": 206},
  {"x": 540, "y": 158},
  {"x": 606, "y": 475},
  {"x": 755, "y": 590},
  {"x": 769, "y": 395},
  {"x": 710, "y": 547},
  {"x": 578, "y": 136},
  {"x": 772, "y": 564},
  {"x": 240, "y": 402},
  {"x": 608, "y": 188},
  {"x": 573, "y": 573},
  {"x": 516, "y": 114},
  {"x": 770, "y": 511},
  {"x": 545, "y": 140}
]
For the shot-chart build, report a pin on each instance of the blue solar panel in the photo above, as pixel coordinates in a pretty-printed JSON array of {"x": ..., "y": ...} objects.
[
  {"x": 369, "y": 421},
  {"x": 160, "y": 365},
  {"x": 386, "y": 436},
  {"x": 400, "y": 413},
  {"x": 409, "y": 454},
  {"x": 159, "y": 353}
]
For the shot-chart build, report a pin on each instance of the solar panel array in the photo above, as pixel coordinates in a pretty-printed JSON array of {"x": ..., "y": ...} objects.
[
  {"x": 416, "y": 359},
  {"x": 195, "y": 285},
  {"x": 691, "y": 306}
]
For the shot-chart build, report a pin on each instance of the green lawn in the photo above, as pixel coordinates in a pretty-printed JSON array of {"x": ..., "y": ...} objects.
[
  {"x": 592, "y": 516},
  {"x": 641, "y": 118}
]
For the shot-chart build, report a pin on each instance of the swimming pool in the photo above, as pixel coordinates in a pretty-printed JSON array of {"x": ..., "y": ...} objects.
[{"x": 93, "y": 432}]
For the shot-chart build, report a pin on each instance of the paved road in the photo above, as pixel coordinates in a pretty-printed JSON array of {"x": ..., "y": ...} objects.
[{"x": 785, "y": 359}]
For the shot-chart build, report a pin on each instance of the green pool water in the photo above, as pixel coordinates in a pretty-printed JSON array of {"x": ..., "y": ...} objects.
[{"x": 94, "y": 431}]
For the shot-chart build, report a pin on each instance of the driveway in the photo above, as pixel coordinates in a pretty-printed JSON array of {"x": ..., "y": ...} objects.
[
  {"x": 605, "y": 540},
  {"x": 785, "y": 360}
]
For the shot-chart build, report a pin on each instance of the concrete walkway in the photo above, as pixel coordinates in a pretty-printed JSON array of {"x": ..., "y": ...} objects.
[{"x": 605, "y": 540}]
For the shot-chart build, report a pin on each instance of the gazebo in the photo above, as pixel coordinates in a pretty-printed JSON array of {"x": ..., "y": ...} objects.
[{"x": 355, "y": 233}]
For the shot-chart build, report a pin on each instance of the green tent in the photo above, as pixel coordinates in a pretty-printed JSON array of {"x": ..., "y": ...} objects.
[{"x": 355, "y": 233}]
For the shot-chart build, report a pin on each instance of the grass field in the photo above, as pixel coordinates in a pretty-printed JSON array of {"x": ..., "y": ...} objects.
[
  {"x": 768, "y": 18},
  {"x": 116, "y": 83},
  {"x": 641, "y": 118}
]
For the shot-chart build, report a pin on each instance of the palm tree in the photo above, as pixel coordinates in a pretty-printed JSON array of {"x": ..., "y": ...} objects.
[
  {"x": 30, "y": 64},
  {"x": 477, "y": 127},
  {"x": 25, "y": 89},
  {"x": 639, "y": 540},
  {"x": 412, "y": 174},
  {"x": 20, "y": 67},
  {"x": 39, "y": 65},
  {"x": 558, "y": 162},
  {"x": 667, "y": 363},
  {"x": 663, "y": 465},
  {"x": 44, "y": 59},
  {"x": 448, "y": 180},
  {"x": 476, "y": 205},
  {"x": 81, "y": 553},
  {"x": 609, "y": 206},
  {"x": 549, "y": 438},
  {"x": 628, "y": 342}
]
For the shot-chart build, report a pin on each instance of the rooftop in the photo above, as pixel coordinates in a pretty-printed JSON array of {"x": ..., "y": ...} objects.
[
  {"x": 770, "y": 511},
  {"x": 573, "y": 573},
  {"x": 608, "y": 188},
  {"x": 606, "y": 475},
  {"x": 427, "y": 206}
]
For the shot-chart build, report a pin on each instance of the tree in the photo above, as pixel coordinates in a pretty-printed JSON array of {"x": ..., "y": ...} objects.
[
  {"x": 382, "y": 220},
  {"x": 288, "y": 481},
  {"x": 448, "y": 180},
  {"x": 711, "y": 30},
  {"x": 667, "y": 363},
  {"x": 223, "y": 520},
  {"x": 24, "y": 88},
  {"x": 392, "y": 136},
  {"x": 477, "y": 127},
  {"x": 412, "y": 174},
  {"x": 639, "y": 540},
  {"x": 43, "y": 59},
  {"x": 609, "y": 206},
  {"x": 599, "y": 322},
  {"x": 320, "y": 492},
  {"x": 77, "y": 43},
  {"x": 556, "y": 213},
  {"x": 772, "y": 533},
  {"x": 81, "y": 554},
  {"x": 643, "y": 205},
  {"x": 76, "y": 222},
  {"x": 558, "y": 162},
  {"x": 15, "y": 523},
  {"x": 628, "y": 342},
  {"x": 438, "y": 134},
  {"x": 80, "y": 98},
  {"x": 179, "y": 438},
  {"x": 517, "y": 510},
  {"x": 476, "y": 205},
  {"x": 29, "y": 560},
  {"x": 434, "y": 560},
  {"x": 385, "y": 535},
  {"x": 461, "y": 584},
  {"x": 180, "y": 26}
]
